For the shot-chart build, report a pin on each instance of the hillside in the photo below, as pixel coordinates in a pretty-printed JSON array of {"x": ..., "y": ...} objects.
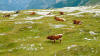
[
  {"x": 23, "y": 34},
  {"x": 93, "y": 2},
  {"x": 42, "y": 4},
  {"x": 9, "y": 5},
  {"x": 70, "y": 3}
]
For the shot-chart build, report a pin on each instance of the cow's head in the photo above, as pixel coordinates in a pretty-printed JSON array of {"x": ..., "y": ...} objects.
[{"x": 60, "y": 35}]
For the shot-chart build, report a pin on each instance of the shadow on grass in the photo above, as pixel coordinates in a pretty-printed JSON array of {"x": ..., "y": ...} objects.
[{"x": 52, "y": 42}]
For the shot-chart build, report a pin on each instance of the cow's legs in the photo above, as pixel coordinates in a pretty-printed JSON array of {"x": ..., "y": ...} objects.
[
  {"x": 54, "y": 41},
  {"x": 60, "y": 40}
]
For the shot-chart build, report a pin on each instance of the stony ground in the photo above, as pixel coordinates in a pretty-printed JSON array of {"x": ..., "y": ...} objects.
[{"x": 25, "y": 35}]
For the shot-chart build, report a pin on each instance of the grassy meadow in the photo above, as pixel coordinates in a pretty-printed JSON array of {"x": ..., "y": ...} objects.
[{"x": 21, "y": 37}]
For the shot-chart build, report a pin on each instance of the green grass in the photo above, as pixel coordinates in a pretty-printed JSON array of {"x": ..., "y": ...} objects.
[{"x": 19, "y": 37}]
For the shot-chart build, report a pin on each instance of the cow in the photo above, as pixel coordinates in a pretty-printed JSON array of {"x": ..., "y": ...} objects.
[
  {"x": 55, "y": 37},
  {"x": 78, "y": 22},
  {"x": 33, "y": 13},
  {"x": 61, "y": 13},
  {"x": 17, "y": 12},
  {"x": 8, "y": 15},
  {"x": 49, "y": 14},
  {"x": 59, "y": 19}
]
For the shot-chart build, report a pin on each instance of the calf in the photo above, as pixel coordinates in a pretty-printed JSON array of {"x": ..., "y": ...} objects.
[
  {"x": 77, "y": 22},
  {"x": 59, "y": 19},
  {"x": 61, "y": 13},
  {"x": 55, "y": 37},
  {"x": 33, "y": 13},
  {"x": 8, "y": 15}
]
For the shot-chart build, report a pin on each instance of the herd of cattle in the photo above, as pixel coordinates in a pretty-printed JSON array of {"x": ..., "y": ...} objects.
[{"x": 52, "y": 37}]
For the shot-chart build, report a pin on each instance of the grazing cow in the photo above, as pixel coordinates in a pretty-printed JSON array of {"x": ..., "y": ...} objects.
[
  {"x": 17, "y": 12},
  {"x": 59, "y": 19},
  {"x": 8, "y": 15},
  {"x": 33, "y": 13},
  {"x": 55, "y": 37},
  {"x": 49, "y": 14},
  {"x": 77, "y": 22},
  {"x": 61, "y": 13}
]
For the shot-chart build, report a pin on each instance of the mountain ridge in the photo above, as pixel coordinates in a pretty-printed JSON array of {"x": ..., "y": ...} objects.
[{"x": 43, "y": 4}]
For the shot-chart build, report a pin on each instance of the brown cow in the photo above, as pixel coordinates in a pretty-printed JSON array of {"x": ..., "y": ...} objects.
[
  {"x": 55, "y": 37},
  {"x": 77, "y": 22},
  {"x": 59, "y": 19},
  {"x": 61, "y": 13},
  {"x": 33, "y": 13},
  {"x": 8, "y": 15}
]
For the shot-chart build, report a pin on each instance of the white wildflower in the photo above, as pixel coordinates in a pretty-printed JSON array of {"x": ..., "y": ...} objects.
[
  {"x": 69, "y": 47},
  {"x": 92, "y": 33}
]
